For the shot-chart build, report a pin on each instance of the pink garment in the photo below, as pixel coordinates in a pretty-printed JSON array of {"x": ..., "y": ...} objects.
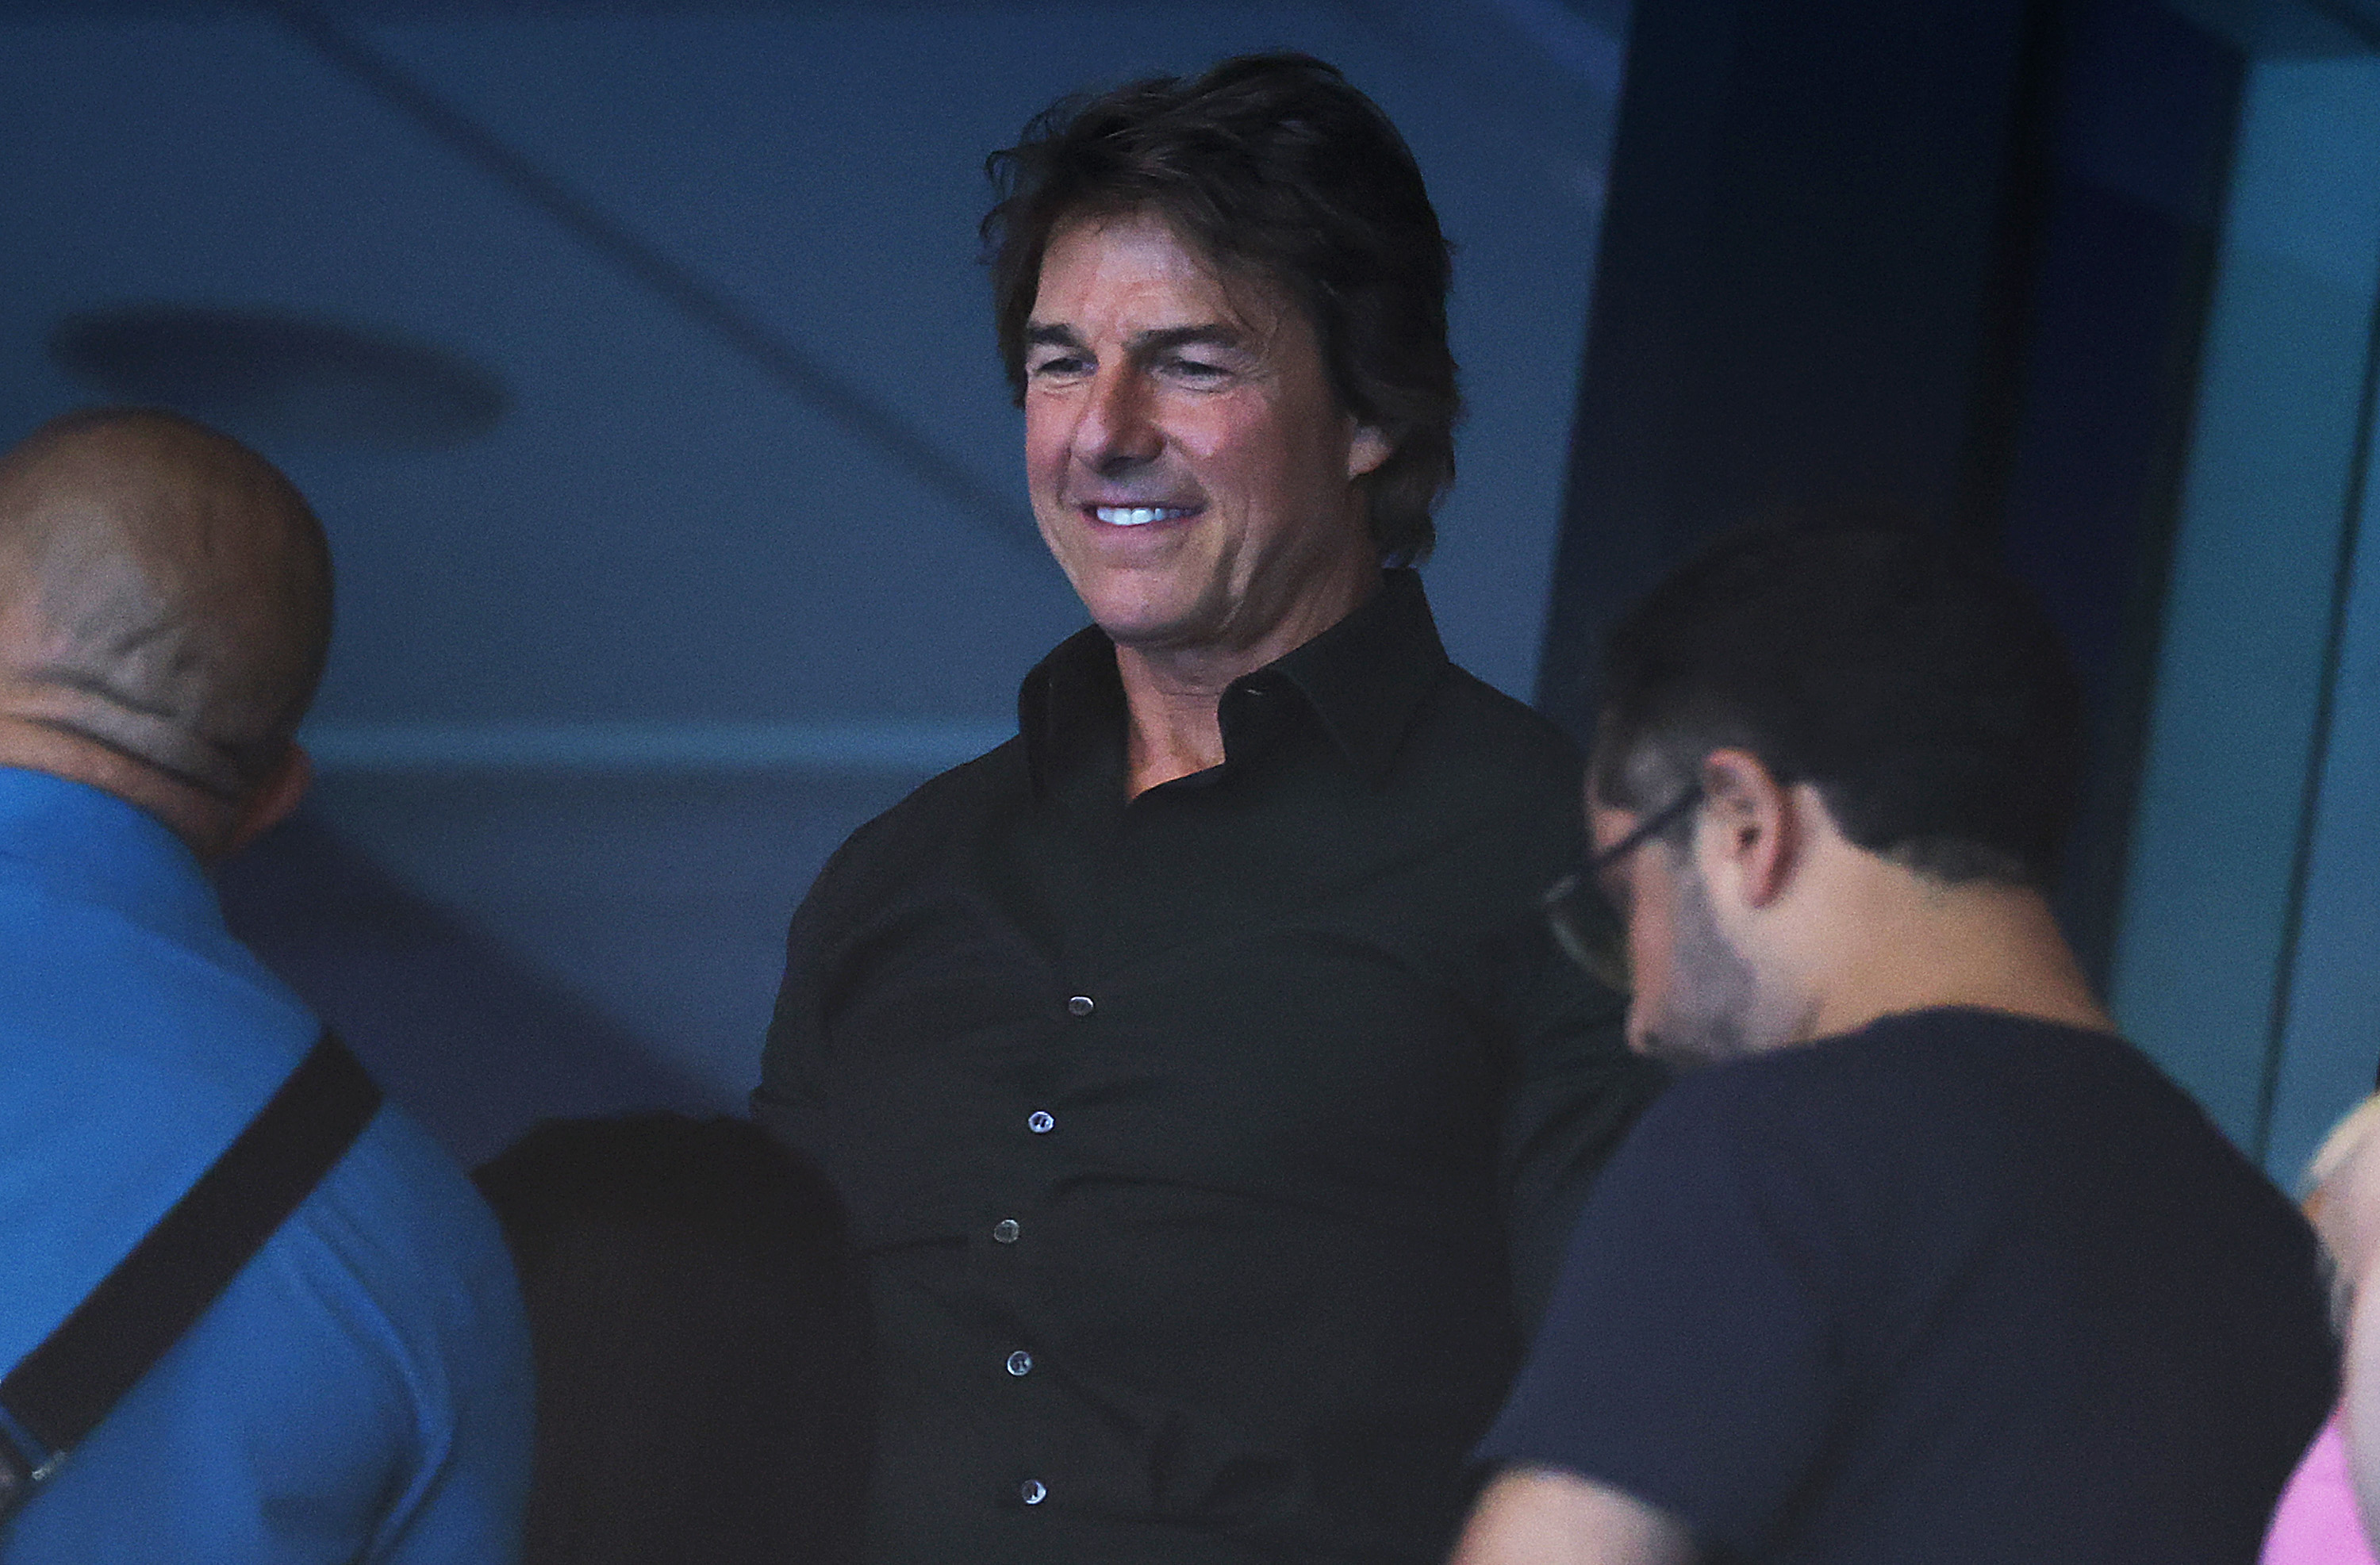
[{"x": 2315, "y": 1522}]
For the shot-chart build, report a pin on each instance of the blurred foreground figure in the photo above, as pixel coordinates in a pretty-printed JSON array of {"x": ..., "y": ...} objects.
[
  {"x": 2331, "y": 1510},
  {"x": 360, "y": 1390},
  {"x": 699, "y": 1345},
  {"x": 1209, "y": 1098},
  {"x": 1923, "y": 1263}
]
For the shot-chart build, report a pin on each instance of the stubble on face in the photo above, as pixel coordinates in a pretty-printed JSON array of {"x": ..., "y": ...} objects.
[{"x": 1704, "y": 1015}]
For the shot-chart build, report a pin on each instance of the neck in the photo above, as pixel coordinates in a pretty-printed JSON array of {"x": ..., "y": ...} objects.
[
  {"x": 1173, "y": 695},
  {"x": 1918, "y": 945},
  {"x": 42, "y": 747}
]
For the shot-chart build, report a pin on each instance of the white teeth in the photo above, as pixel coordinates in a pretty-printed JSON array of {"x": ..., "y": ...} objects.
[{"x": 1136, "y": 516}]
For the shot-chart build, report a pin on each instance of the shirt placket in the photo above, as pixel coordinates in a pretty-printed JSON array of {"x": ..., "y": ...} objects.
[{"x": 1077, "y": 1014}]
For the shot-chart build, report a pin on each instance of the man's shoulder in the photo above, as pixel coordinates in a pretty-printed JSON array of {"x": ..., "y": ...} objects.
[
  {"x": 998, "y": 776},
  {"x": 1504, "y": 753},
  {"x": 1509, "y": 730},
  {"x": 948, "y": 807},
  {"x": 1999, "y": 1072},
  {"x": 1968, "y": 1066},
  {"x": 1997, "y": 1108},
  {"x": 394, "y": 1273},
  {"x": 143, "y": 1056},
  {"x": 368, "y": 1371},
  {"x": 127, "y": 1063},
  {"x": 406, "y": 1222}
]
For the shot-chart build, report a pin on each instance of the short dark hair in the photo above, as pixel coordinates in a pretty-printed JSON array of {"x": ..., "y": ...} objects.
[
  {"x": 1915, "y": 684},
  {"x": 1273, "y": 164}
]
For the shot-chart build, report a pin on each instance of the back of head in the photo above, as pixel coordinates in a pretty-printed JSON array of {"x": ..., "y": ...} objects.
[
  {"x": 1273, "y": 165},
  {"x": 165, "y": 593},
  {"x": 1908, "y": 678},
  {"x": 698, "y": 1342}
]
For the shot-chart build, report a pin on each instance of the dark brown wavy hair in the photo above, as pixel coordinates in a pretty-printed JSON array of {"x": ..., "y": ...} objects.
[{"x": 1273, "y": 165}]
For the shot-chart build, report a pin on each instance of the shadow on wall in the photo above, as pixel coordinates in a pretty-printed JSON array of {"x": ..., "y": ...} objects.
[{"x": 476, "y": 1046}]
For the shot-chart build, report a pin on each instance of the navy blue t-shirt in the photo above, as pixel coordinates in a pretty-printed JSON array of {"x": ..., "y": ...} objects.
[{"x": 1956, "y": 1287}]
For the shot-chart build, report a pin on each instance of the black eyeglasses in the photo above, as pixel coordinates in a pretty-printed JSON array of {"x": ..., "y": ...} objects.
[{"x": 1588, "y": 928}]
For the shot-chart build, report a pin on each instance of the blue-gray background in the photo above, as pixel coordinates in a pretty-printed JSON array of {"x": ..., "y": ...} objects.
[{"x": 610, "y": 681}]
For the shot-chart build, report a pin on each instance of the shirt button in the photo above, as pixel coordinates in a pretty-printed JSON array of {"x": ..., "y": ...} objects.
[
  {"x": 1033, "y": 1491},
  {"x": 1005, "y": 1231},
  {"x": 1080, "y": 1005},
  {"x": 1040, "y": 1121},
  {"x": 1020, "y": 1362}
]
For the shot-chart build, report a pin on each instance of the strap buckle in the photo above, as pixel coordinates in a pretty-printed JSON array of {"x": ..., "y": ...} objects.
[{"x": 20, "y": 1475}]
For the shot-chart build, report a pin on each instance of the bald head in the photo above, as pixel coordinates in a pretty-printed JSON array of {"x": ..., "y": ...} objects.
[{"x": 164, "y": 595}]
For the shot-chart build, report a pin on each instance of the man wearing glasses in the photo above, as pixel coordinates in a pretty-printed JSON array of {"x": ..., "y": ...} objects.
[{"x": 1922, "y": 1262}]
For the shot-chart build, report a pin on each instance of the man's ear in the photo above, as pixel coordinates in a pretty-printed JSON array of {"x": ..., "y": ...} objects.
[
  {"x": 1750, "y": 832},
  {"x": 273, "y": 799}
]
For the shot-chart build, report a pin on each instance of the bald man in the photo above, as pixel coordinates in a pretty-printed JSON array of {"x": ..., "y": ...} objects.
[{"x": 362, "y": 1390}]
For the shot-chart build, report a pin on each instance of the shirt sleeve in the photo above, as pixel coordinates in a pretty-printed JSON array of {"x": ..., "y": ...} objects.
[
  {"x": 789, "y": 1101},
  {"x": 1575, "y": 1091},
  {"x": 337, "y": 1405},
  {"x": 1685, "y": 1358}
]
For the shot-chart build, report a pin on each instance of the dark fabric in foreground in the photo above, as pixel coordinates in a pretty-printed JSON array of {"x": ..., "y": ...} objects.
[
  {"x": 1957, "y": 1287},
  {"x": 700, "y": 1341},
  {"x": 1243, "y": 1294}
]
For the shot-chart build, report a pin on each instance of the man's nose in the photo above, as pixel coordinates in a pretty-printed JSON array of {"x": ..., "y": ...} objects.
[{"x": 1118, "y": 431}]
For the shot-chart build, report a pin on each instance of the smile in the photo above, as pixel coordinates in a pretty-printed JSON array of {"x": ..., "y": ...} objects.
[{"x": 1137, "y": 515}]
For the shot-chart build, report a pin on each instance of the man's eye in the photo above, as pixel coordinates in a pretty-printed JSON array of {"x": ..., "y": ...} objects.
[
  {"x": 1058, "y": 365},
  {"x": 1197, "y": 369}
]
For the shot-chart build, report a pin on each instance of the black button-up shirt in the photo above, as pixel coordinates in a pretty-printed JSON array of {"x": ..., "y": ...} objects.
[{"x": 1207, "y": 1151}]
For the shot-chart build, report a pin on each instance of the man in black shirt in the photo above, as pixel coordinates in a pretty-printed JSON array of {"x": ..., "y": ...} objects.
[
  {"x": 1208, "y": 1099},
  {"x": 1928, "y": 1264}
]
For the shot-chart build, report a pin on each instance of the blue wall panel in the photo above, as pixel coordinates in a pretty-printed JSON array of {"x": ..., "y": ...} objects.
[
  {"x": 2330, "y": 1042},
  {"x": 2234, "y": 734}
]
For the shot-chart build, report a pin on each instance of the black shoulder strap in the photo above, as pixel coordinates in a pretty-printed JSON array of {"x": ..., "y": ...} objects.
[{"x": 61, "y": 1390}]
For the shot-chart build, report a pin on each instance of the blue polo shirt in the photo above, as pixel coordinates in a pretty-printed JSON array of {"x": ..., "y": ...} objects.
[{"x": 362, "y": 1390}]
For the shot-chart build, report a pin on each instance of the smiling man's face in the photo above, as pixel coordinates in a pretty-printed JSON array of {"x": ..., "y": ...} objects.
[{"x": 1189, "y": 465}]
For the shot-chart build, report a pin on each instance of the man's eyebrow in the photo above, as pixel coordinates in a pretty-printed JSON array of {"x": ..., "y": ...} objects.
[{"x": 1213, "y": 333}]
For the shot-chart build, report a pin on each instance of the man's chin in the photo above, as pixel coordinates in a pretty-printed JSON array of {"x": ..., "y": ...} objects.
[{"x": 1155, "y": 625}]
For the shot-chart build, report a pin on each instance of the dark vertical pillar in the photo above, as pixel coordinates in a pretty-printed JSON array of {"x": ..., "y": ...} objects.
[
  {"x": 1803, "y": 232},
  {"x": 2143, "y": 119},
  {"x": 1949, "y": 260}
]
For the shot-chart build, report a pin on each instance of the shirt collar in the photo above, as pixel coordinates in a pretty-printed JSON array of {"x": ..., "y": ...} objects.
[
  {"x": 1071, "y": 699},
  {"x": 92, "y": 846},
  {"x": 1364, "y": 678}
]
